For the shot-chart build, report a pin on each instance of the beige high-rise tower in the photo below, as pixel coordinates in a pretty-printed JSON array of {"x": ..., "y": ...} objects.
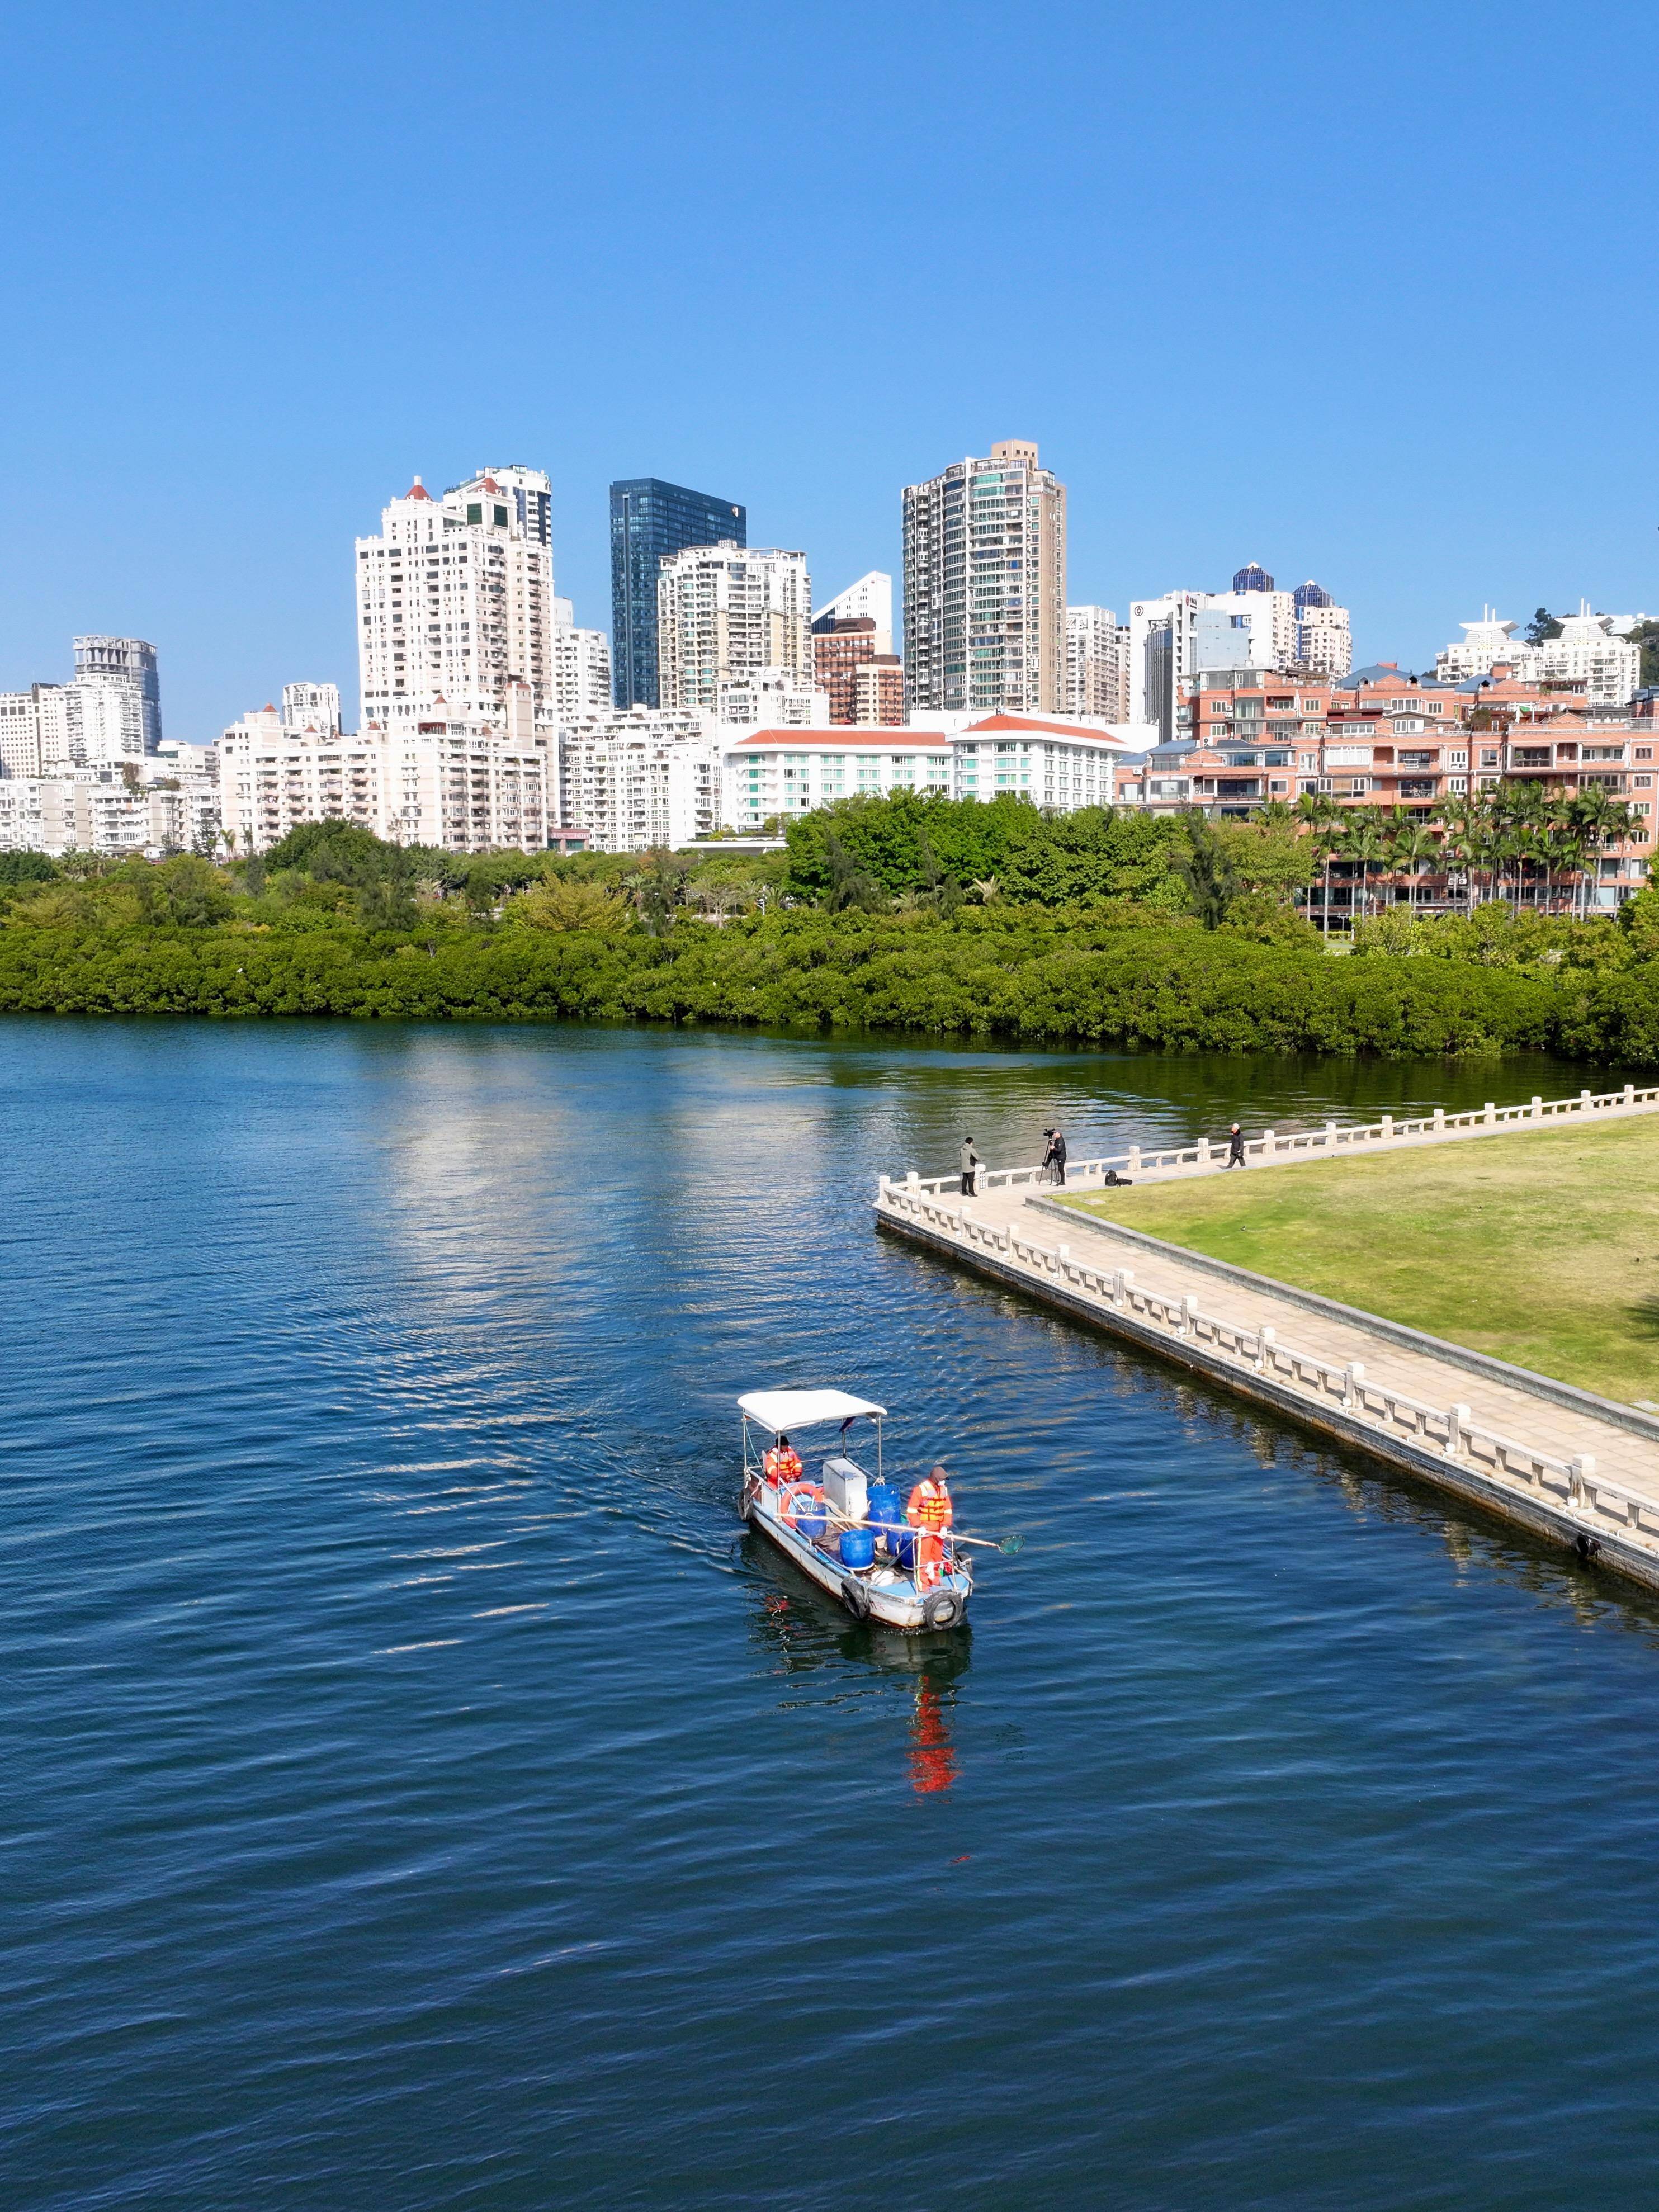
[
  {"x": 727, "y": 611},
  {"x": 455, "y": 600},
  {"x": 985, "y": 585}
]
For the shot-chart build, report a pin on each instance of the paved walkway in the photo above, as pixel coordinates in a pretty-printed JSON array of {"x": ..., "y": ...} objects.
[{"x": 1544, "y": 1449}]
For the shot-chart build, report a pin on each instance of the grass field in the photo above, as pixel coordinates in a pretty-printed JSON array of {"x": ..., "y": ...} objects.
[{"x": 1540, "y": 1248}]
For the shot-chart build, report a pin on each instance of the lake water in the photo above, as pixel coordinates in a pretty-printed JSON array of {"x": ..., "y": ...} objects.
[{"x": 417, "y": 1792}]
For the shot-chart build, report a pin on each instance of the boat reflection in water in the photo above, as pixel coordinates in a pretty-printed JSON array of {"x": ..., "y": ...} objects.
[
  {"x": 932, "y": 1758},
  {"x": 805, "y": 1632}
]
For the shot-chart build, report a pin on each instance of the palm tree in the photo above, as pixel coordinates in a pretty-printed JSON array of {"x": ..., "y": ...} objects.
[
  {"x": 1414, "y": 848},
  {"x": 1364, "y": 843},
  {"x": 1511, "y": 846},
  {"x": 1461, "y": 818},
  {"x": 1319, "y": 813},
  {"x": 1275, "y": 814},
  {"x": 1600, "y": 819},
  {"x": 1565, "y": 853}
]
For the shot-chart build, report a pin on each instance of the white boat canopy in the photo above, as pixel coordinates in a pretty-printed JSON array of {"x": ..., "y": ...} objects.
[{"x": 778, "y": 1410}]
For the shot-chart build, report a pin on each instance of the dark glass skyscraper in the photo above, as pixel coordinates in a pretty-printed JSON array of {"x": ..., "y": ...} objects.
[
  {"x": 649, "y": 519},
  {"x": 1252, "y": 577}
]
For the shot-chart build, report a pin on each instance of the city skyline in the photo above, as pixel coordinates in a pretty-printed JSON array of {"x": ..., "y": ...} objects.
[{"x": 1202, "y": 410}]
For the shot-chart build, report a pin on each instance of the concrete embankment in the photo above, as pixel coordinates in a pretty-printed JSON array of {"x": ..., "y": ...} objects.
[{"x": 1575, "y": 1469}]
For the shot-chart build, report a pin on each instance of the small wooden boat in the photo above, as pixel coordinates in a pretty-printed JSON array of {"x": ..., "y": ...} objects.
[{"x": 842, "y": 1525}]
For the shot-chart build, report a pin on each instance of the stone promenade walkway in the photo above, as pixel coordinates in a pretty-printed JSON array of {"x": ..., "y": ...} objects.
[{"x": 1564, "y": 1469}]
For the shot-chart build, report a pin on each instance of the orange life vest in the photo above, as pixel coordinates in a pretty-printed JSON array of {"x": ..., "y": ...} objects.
[
  {"x": 930, "y": 1506},
  {"x": 782, "y": 1464}
]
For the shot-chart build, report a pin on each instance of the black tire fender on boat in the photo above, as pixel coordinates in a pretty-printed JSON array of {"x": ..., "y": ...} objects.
[
  {"x": 941, "y": 1609},
  {"x": 855, "y": 1597}
]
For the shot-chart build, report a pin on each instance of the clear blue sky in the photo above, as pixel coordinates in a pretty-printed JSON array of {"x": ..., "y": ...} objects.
[{"x": 1364, "y": 292}]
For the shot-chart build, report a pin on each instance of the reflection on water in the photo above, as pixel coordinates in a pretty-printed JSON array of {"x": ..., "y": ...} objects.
[
  {"x": 421, "y": 1791},
  {"x": 933, "y": 1761}
]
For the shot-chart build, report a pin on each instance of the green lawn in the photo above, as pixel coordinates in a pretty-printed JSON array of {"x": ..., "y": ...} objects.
[{"x": 1541, "y": 1248}]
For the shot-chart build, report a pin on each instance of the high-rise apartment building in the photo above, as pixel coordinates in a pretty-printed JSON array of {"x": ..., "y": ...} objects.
[
  {"x": 1324, "y": 631},
  {"x": 843, "y": 649},
  {"x": 1252, "y": 577},
  {"x": 455, "y": 600},
  {"x": 985, "y": 585},
  {"x": 634, "y": 778},
  {"x": 724, "y": 612},
  {"x": 1096, "y": 664},
  {"x": 314, "y": 707},
  {"x": 581, "y": 667},
  {"x": 468, "y": 784},
  {"x": 878, "y": 693},
  {"x": 1178, "y": 636},
  {"x": 1271, "y": 616},
  {"x": 110, "y": 711},
  {"x": 871, "y": 599},
  {"x": 130, "y": 662},
  {"x": 773, "y": 695},
  {"x": 650, "y": 520},
  {"x": 21, "y": 716},
  {"x": 1589, "y": 656}
]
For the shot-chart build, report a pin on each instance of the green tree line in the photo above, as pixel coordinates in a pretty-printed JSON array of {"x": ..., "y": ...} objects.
[{"x": 1175, "y": 935}]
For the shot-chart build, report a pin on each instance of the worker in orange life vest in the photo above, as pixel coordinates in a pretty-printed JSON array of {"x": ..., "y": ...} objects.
[
  {"x": 930, "y": 1513},
  {"x": 782, "y": 1464}
]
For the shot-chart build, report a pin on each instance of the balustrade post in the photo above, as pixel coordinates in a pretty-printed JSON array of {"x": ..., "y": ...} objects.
[
  {"x": 1537, "y": 1109},
  {"x": 1457, "y": 1419},
  {"x": 1585, "y": 1099},
  {"x": 1264, "y": 1348},
  {"x": 1489, "y": 1113},
  {"x": 1189, "y": 1308},
  {"x": 1330, "y": 1136},
  {"x": 1124, "y": 1284},
  {"x": 1268, "y": 1141},
  {"x": 1630, "y": 1094},
  {"x": 1388, "y": 1128},
  {"x": 1204, "y": 1151},
  {"x": 1134, "y": 1159},
  {"x": 1355, "y": 1375},
  {"x": 913, "y": 1182},
  {"x": 883, "y": 1186}
]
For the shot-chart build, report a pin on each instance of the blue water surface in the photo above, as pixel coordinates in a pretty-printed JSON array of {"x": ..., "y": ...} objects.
[{"x": 417, "y": 1792}]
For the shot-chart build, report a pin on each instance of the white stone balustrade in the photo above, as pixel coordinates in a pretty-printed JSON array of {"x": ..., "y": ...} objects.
[
  {"x": 1205, "y": 1158},
  {"x": 1571, "y": 1489}
]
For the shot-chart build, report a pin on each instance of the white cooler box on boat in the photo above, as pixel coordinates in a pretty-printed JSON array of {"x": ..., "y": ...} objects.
[{"x": 845, "y": 1488}]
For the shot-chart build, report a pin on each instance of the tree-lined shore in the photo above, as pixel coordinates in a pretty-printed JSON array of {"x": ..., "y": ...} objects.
[{"x": 919, "y": 914}]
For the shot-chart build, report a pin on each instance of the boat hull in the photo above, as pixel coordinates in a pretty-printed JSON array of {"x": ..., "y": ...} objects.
[{"x": 887, "y": 1596}]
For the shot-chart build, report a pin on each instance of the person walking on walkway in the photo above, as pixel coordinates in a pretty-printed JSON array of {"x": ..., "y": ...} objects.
[
  {"x": 1236, "y": 1147},
  {"x": 1054, "y": 1158},
  {"x": 968, "y": 1160}
]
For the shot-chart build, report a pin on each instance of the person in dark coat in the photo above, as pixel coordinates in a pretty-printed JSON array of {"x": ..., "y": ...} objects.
[
  {"x": 1054, "y": 1158},
  {"x": 1236, "y": 1147}
]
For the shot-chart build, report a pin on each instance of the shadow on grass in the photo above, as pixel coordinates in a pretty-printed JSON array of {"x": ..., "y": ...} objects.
[{"x": 1643, "y": 1317}]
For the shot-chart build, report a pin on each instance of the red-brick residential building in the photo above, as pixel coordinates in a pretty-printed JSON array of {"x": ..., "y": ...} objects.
[{"x": 863, "y": 685}]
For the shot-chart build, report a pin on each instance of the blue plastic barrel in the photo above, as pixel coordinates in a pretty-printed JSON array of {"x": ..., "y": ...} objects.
[
  {"x": 885, "y": 1508},
  {"x": 858, "y": 1548},
  {"x": 811, "y": 1520},
  {"x": 904, "y": 1549}
]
